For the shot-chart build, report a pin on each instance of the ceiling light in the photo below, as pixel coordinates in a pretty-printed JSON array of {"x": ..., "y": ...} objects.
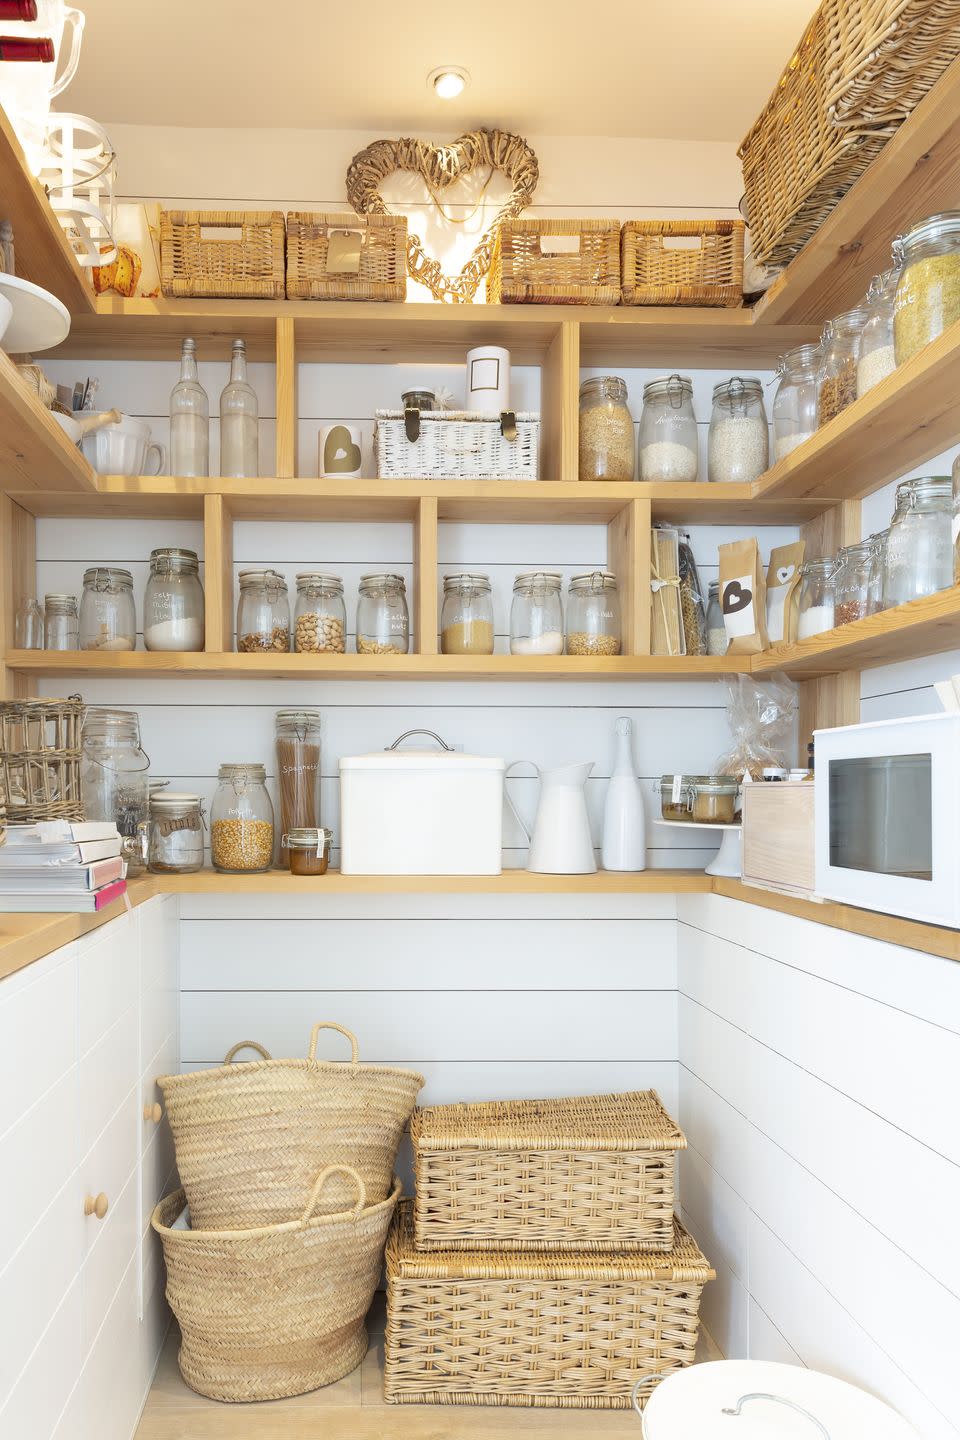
[{"x": 448, "y": 81}]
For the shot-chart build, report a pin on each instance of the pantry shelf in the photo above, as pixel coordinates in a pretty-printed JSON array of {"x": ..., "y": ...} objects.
[
  {"x": 924, "y": 627},
  {"x": 35, "y": 454},
  {"x": 508, "y": 882}
]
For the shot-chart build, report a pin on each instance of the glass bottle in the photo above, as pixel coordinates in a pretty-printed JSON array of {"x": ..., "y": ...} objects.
[
  {"x": 241, "y": 821},
  {"x": 239, "y": 420},
  {"x": 607, "y": 441},
  {"x": 927, "y": 299},
  {"x": 466, "y": 617},
  {"x": 189, "y": 418},
  {"x": 173, "y": 608},
  {"x": 383, "y": 621},
  {"x": 115, "y": 779},
  {"x": 536, "y": 614},
  {"x": 593, "y": 614},
  {"x": 263, "y": 612},
  {"x": 298, "y": 770},
  {"x": 837, "y": 384},
  {"x": 668, "y": 430},
  {"x": 738, "y": 443},
  {"x": 816, "y": 604},
  {"x": 176, "y": 833},
  {"x": 108, "y": 615},
  {"x": 320, "y": 617},
  {"x": 28, "y": 628},
  {"x": 877, "y": 357},
  {"x": 919, "y": 553},
  {"x": 61, "y": 624},
  {"x": 795, "y": 403},
  {"x": 716, "y": 630},
  {"x": 854, "y": 582}
]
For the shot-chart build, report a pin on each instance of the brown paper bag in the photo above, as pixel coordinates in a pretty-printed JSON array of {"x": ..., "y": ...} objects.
[
  {"x": 743, "y": 598},
  {"x": 783, "y": 592}
]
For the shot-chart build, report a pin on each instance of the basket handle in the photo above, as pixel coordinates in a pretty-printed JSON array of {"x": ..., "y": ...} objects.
[
  {"x": 331, "y": 1025},
  {"x": 245, "y": 1045},
  {"x": 322, "y": 1179}
]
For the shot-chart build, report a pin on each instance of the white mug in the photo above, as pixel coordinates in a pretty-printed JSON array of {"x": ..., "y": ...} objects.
[
  {"x": 338, "y": 455},
  {"x": 488, "y": 380}
]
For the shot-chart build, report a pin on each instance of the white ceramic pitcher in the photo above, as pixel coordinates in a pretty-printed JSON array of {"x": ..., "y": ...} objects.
[{"x": 561, "y": 843}]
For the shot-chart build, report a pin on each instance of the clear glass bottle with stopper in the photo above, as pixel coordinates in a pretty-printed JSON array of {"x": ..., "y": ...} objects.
[
  {"x": 189, "y": 418},
  {"x": 239, "y": 420}
]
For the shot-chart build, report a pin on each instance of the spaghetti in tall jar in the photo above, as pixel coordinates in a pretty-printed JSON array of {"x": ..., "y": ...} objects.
[{"x": 298, "y": 771}]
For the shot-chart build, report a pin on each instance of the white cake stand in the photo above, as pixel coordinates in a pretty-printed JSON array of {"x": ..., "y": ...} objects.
[
  {"x": 39, "y": 320},
  {"x": 728, "y": 860}
]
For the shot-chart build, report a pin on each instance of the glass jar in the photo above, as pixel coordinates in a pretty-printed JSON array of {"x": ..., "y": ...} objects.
[
  {"x": 837, "y": 384},
  {"x": 115, "y": 779},
  {"x": 795, "y": 403},
  {"x": 692, "y": 614},
  {"x": 536, "y": 614},
  {"x": 676, "y": 796},
  {"x": 716, "y": 630},
  {"x": 61, "y": 624},
  {"x": 738, "y": 442},
  {"x": 28, "y": 625},
  {"x": 593, "y": 614},
  {"x": 383, "y": 621},
  {"x": 423, "y": 400},
  {"x": 927, "y": 299},
  {"x": 816, "y": 604},
  {"x": 854, "y": 582},
  {"x": 955, "y": 474},
  {"x": 298, "y": 769},
  {"x": 176, "y": 833},
  {"x": 919, "y": 553},
  {"x": 466, "y": 617},
  {"x": 320, "y": 616},
  {"x": 877, "y": 358},
  {"x": 308, "y": 850},
  {"x": 668, "y": 430},
  {"x": 879, "y": 543},
  {"x": 607, "y": 441},
  {"x": 173, "y": 609},
  {"x": 263, "y": 613},
  {"x": 108, "y": 615},
  {"x": 241, "y": 821},
  {"x": 715, "y": 799}
]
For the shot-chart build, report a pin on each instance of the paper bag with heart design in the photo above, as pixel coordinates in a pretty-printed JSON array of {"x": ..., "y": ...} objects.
[
  {"x": 742, "y": 598},
  {"x": 783, "y": 592}
]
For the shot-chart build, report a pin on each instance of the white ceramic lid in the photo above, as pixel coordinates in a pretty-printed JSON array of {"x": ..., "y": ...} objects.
[
  {"x": 696, "y": 1403},
  {"x": 393, "y": 760}
]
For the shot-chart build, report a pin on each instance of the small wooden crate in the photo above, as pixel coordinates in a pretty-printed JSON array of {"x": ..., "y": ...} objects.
[
  {"x": 235, "y": 254},
  {"x": 682, "y": 262},
  {"x": 883, "y": 56},
  {"x": 526, "y": 269},
  {"x": 590, "y": 1174},
  {"x": 40, "y": 759},
  {"x": 346, "y": 257},
  {"x": 570, "y": 1330}
]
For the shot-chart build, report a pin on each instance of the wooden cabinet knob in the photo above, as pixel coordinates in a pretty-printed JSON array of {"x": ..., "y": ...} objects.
[
  {"x": 96, "y": 1205},
  {"x": 153, "y": 1112}
]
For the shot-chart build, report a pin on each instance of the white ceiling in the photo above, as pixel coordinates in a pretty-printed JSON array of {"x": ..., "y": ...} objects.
[{"x": 678, "y": 69}]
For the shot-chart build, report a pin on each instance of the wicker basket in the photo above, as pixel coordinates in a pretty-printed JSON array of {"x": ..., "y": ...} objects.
[
  {"x": 660, "y": 265},
  {"x": 40, "y": 759},
  {"x": 233, "y": 253},
  {"x": 589, "y": 1174},
  {"x": 456, "y": 445},
  {"x": 277, "y": 1310},
  {"x": 346, "y": 257},
  {"x": 883, "y": 56},
  {"x": 526, "y": 270},
  {"x": 250, "y": 1137},
  {"x": 573, "y": 1330}
]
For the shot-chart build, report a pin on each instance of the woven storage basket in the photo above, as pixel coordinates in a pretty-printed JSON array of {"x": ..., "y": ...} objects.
[
  {"x": 594, "y": 1173},
  {"x": 883, "y": 56},
  {"x": 573, "y": 1330},
  {"x": 233, "y": 253},
  {"x": 250, "y": 1137},
  {"x": 346, "y": 257},
  {"x": 658, "y": 268},
  {"x": 525, "y": 270},
  {"x": 456, "y": 445},
  {"x": 277, "y": 1310},
  {"x": 40, "y": 759}
]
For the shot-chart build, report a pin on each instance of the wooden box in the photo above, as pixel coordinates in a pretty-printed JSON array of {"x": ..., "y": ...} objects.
[{"x": 778, "y": 836}]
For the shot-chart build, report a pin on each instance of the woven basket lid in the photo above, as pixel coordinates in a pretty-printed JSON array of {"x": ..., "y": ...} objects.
[{"x": 633, "y": 1121}]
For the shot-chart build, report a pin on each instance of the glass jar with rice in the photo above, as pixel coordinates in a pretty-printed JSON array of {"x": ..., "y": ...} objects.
[
  {"x": 607, "y": 442},
  {"x": 927, "y": 299}
]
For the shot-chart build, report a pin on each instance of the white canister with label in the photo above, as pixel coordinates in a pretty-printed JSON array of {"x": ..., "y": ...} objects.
[
  {"x": 488, "y": 380},
  {"x": 339, "y": 452}
]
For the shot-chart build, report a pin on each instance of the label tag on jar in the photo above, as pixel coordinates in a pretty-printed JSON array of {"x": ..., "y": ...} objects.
[
  {"x": 169, "y": 825},
  {"x": 677, "y": 791}
]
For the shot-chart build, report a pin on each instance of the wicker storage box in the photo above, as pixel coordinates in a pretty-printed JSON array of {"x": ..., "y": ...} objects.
[
  {"x": 40, "y": 759},
  {"x": 227, "y": 253},
  {"x": 682, "y": 262},
  {"x": 456, "y": 445},
  {"x": 593, "y": 1173},
  {"x": 882, "y": 56},
  {"x": 527, "y": 270},
  {"x": 346, "y": 257},
  {"x": 573, "y": 1330}
]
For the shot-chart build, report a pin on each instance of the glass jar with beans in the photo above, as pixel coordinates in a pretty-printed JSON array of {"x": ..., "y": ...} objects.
[
  {"x": 320, "y": 616},
  {"x": 241, "y": 820},
  {"x": 263, "y": 614}
]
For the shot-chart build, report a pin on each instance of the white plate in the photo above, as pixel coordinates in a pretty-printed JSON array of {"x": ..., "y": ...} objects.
[{"x": 39, "y": 319}]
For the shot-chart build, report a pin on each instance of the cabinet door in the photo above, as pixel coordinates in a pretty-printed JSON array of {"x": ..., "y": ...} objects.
[
  {"x": 106, "y": 1401},
  {"x": 44, "y": 1384},
  {"x": 110, "y": 1169}
]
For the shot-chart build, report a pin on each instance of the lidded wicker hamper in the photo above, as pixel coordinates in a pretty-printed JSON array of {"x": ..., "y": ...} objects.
[
  {"x": 682, "y": 262},
  {"x": 595, "y": 1173},
  {"x": 346, "y": 257},
  {"x": 227, "y": 253},
  {"x": 528, "y": 269},
  {"x": 456, "y": 445}
]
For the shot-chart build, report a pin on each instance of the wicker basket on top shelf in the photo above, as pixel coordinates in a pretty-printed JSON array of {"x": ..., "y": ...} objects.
[
  {"x": 346, "y": 257},
  {"x": 555, "y": 262},
  {"x": 40, "y": 759},
  {"x": 231, "y": 254},
  {"x": 883, "y": 56},
  {"x": 682, "y": 262}
]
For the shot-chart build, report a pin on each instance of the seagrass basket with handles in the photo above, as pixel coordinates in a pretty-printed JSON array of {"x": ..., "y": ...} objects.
[
  {"x": 682, "y": 262},
  {"x": 884, "y": 56},
  {"x": 40, "y": 754},
  {"x": 555, "y": 262},
  {"x": 237, "y": 254},
  {"x": 592, "y": 1173},
  {"x": 250, "y": 1137},
  {"x": 277, "y": 1309},
  {"x": 346, "y": 257}
]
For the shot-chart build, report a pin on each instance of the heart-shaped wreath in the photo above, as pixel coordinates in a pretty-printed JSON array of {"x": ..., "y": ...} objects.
[{"x": 440, "y": 166}]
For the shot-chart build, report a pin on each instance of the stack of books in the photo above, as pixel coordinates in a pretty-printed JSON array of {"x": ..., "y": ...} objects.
[{"x": 61, "y": 865}]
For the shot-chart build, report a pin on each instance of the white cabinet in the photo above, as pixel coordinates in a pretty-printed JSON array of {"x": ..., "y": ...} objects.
[{"x": 84, "y": 1033}]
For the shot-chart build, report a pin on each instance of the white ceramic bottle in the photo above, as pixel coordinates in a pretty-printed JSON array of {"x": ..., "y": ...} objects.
[{"x": 624, "y": 823}]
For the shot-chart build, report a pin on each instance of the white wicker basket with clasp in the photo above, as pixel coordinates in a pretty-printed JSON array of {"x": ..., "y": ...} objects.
[{"x": 456, "y": 445}]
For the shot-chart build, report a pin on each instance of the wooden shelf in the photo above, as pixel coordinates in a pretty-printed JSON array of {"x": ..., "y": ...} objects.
[
  {"x": 924, "y": 627},
  {"x": 35, "y": 454},
  {"x": 508, "y": 882}
]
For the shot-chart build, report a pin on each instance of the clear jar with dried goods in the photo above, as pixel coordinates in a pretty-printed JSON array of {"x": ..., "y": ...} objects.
[
  {"x": 918, "y": 559},
  {"x": 817, "y": 597},
  {"x": 383, "y": 620},
  {"x": 927, "y": 299},
  {"x": 108, "y": 615},
  {"x": 320, "y": 616},
  {"x": 61, "y": 624},
  {"x": 692, "y": 610},
  {"x": 536, "y": 614},
  {"x": 176, "y": 833},
  {"x": 298, "y": 769},
  {"x": 173, "y": 609},
  {"x": 607, "y": 441},
  {"x": 854, "y": 582},
  {"x": 669, "y": 447},
  {"x": 307, "y": 849},
  {"x": 837, "y": 384},
  {"x": 241, "y": 820},
  {"x": 795, "y": 403},
  {"x": 466, "y": 616},
  {"x": 115, "y": 779},
  {"x": 738, "y": 443},
  {"x": 263, "y": 613},
  {"x": 593, "y": 614},
  {"x": 715, "y": 799},
  {"x": 716, "y": 630},
  {"x": 877, "y": 357},
  {"x": 676, "y": 796}
]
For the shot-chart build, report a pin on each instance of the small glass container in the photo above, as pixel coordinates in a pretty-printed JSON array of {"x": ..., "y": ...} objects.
[
  {"x": 738, "y": 443},
  {"x": 108, "y": 615},
  {"x": 716, "y": 630},
  {"x": 877, "y": 357},
  {"x": 715, "y": 799},
  {"x": 61, "y": 623},
  {"x": 28, "y": 627},
  {"x": 837, "y": 384},
  {"x": 795, "y": 403},
  {"x": 115, "y": 779},
  {"x": 173, "y": 608},
  {"x": 298, "y": 769},
  {"x": 676, "y": 796},
  {"x": 176, "y": 833},
  {"x": 383, "y": 621},
  {"x": 241, "y": 828},
  {"x": 927, "y": 299},
  {"x": 263, "y": 613},
  {"x": 466, "y": 617},
  {"x": 854, "y": 582},
  {"x": 536, "y": 614},
  {"x": 607, "y": 441},
  {"x": 320, "y": 616},
  {"x": 668, "y": 430},
  {"x": 418, "y": 400},
  {"x": 918, "y": 559},
  {"x": 817, "y": 599},
  {"x": 308, "y": 850},
  {"x": 593, "y": 614}
]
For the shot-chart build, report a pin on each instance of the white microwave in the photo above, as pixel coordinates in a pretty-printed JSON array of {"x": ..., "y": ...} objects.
[{"x": 888, "y": 817}]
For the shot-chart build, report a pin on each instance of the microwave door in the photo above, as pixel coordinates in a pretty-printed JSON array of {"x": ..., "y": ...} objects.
[{"x": 881, "y": 815}]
